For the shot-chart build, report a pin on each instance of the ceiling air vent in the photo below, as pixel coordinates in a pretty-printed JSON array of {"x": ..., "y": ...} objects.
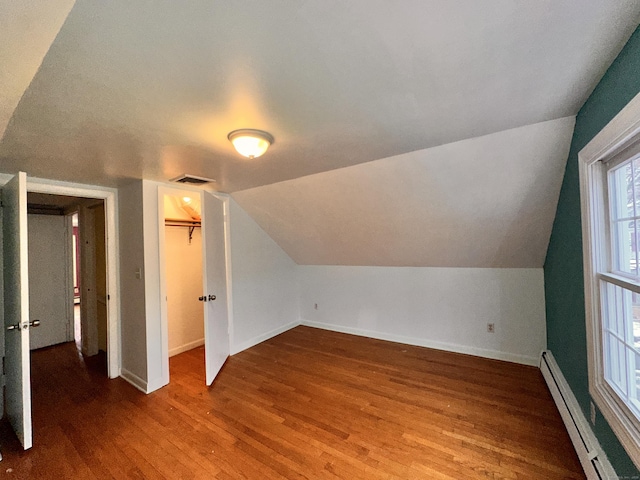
[{"x": 192, "y": 179}]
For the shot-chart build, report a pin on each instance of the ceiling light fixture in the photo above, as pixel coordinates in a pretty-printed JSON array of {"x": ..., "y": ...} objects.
[{"x": 250, "y": 143}]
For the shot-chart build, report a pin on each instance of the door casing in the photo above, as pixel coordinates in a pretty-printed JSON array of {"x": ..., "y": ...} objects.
[{"x": 109, "y": 196}]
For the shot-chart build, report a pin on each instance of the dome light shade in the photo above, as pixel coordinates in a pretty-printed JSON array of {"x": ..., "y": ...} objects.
[{"x": 250, "y": 143}]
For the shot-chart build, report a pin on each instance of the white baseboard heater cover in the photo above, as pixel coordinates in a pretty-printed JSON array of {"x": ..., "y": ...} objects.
[{"x": 595, "y": 463}]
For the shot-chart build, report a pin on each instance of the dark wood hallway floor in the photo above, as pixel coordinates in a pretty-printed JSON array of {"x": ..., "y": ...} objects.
[{"x": 306, "y": 404}]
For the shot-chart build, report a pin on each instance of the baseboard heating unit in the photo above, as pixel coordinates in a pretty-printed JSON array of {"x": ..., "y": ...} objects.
[{"x": 594, "y": 462}]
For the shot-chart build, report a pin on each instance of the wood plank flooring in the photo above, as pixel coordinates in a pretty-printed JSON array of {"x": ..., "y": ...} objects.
[{"x": 307, "y": 404}]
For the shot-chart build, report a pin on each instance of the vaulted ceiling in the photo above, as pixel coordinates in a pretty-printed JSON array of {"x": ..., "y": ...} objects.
[
  {"x": 362, "y": 96},
  {"x": 482, "y": 202}
]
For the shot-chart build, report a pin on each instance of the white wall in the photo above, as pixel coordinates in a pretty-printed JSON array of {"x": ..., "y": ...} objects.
[
  {"x": 444, "y": 308},
  {"x": 264, "y": 283},
  {"x": 132, "y": 288},
  {"x": 50, "y": 300},
  {"x": 185, "y": 313}
]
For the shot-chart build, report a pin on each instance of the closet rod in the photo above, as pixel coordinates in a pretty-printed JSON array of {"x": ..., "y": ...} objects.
[
  {"x": 182, "y": 223},
  {"x": 192, "y": 224}
]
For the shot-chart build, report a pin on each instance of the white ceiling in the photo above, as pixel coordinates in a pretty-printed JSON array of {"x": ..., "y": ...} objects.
[{"x": 131, "y": 90}]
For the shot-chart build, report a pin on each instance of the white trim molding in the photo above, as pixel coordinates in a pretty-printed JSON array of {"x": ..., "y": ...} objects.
[
  {"x": 134, "y": 380},
  {"x": 619, "y": 134},
  {"x": 186, "y": 347},
  {"x": 235, "y": 349},
  {"x": 448, "y": 347}
]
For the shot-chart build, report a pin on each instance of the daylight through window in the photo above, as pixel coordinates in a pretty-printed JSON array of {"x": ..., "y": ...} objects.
[{"x": 620, "y": 305}]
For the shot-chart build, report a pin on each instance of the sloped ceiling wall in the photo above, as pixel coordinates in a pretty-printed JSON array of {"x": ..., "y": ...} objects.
[
  {"x": 484, "y": 202},
  {"x": 27, "y": 29}
]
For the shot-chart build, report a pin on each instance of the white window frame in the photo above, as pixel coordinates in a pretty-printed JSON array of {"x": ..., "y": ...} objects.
[{"x": 618, "y": 136}]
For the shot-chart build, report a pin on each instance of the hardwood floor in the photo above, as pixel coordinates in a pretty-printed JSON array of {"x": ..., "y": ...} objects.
[{"x": 306, "y": 404}]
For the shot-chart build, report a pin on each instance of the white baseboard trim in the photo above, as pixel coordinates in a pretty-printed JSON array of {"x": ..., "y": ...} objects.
[
  {"x": 156, "y": 384},
  {"x": 420, "y": 342},
  {"x": 115, "y": 374},
  {"x": 186, "y": 347},
  {"x": 261, "y": 338},
  {"x": 134, "y": 380}
]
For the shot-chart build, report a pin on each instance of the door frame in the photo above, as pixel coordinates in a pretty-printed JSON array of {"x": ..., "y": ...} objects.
[
  {"x": 109, "y": 196},
  {"x": 164, "y": 324}
]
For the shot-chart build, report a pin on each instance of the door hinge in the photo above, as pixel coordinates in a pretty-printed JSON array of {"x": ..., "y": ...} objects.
[{"x": 108, "y": 297}]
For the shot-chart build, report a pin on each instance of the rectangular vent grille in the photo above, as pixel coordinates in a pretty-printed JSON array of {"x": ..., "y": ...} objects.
[{"x": 192, "y": 179}]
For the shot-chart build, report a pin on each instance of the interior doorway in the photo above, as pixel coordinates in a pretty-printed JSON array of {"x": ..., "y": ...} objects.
[
  {"x": 108, "y": 197},
  {"x": 213, "y": 296},
  {"x": 67, "y": 273},
  {"x": 15, "y": 287},
  {"x": 183, "y": 260}
]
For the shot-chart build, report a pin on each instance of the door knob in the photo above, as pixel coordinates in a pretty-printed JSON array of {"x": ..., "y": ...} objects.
[
  {"x": 212, "y": 297},
  {"x": 14, "y": 327},
  {"x": 203, "y": 299},
  {"x": 34, "y": 323}
]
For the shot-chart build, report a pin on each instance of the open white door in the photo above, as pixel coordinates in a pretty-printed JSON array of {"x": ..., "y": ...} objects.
[
  {"x": 216, "y": 323},
  {"x": 16, "y": 308}
]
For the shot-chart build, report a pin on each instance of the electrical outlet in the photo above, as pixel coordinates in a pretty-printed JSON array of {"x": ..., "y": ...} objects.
[
  {"x": 491, "y": 327},
  {"x": 592, "y": 411},
  {"x": 315, "y": 306}
]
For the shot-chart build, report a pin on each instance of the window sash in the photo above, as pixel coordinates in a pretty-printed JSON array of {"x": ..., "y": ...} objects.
[
  {"x": 619, "y": 355},
  {"x": 620, "y": 280}
]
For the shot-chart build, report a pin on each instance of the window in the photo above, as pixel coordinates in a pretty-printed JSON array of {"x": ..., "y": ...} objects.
[
  {"x": 610, "y": 191},
  {"x": 620, "y": 305}
]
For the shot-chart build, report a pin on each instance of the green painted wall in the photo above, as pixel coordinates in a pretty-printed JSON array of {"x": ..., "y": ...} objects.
[{"x": 563, "y": 273}]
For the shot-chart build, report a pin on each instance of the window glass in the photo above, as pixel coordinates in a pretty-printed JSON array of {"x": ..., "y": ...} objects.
[
  {"x": 621, "y": 343},
  {"x": 621, "y": 192},
  {"x": 634, "y": 394},
  {"x": 635, "y": 169},
  {"x": 624, "y": 257},
  {"x": 625, "y": 224},
  {"x": 635, "y": 326}
]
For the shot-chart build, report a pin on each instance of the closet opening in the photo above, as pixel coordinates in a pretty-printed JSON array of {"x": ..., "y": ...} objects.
[{"x": 183, "y": 260}]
